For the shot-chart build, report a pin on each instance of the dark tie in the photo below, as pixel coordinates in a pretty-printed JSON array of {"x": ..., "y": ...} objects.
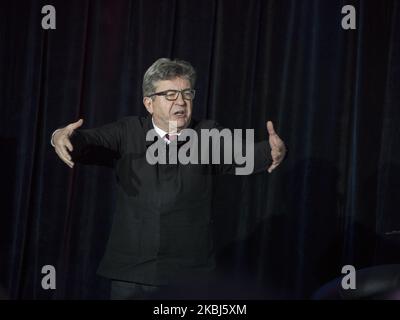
[{"x": 171, "y": 137}]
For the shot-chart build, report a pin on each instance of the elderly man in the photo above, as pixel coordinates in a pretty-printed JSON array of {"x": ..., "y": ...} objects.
[{"x": 161, "y": 232}]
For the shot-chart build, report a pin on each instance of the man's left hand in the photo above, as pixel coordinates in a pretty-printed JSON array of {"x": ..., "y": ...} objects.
[{"x": 278, "y": 149}]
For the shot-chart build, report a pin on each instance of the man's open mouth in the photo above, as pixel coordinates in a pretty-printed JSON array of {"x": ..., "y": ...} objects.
[{"x": 179, "y": 113}]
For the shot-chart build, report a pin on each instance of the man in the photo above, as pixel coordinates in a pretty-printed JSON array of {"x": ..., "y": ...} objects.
[{"x": 161, "y": 233}]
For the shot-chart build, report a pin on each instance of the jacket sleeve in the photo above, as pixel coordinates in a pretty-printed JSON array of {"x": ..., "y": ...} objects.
[
  {"x": 261, "y": 160},
  {"x": 99, "y": 146}
]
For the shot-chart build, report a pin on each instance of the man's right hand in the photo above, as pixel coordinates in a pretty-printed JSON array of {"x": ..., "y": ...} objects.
[{"x": 62, "y": 143}]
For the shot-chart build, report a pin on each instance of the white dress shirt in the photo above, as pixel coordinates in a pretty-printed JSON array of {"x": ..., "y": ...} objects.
[{"x": 162, "y": 133}]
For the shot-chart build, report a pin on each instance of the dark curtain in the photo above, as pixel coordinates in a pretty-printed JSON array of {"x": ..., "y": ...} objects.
[{"x": 332, "y": 94}]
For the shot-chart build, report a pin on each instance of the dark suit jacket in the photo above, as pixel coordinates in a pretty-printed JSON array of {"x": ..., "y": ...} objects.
[{"x": 162, "y": 226}]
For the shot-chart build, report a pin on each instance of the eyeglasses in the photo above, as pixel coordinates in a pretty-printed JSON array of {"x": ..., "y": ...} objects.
[{"x": 172, "y": 95}]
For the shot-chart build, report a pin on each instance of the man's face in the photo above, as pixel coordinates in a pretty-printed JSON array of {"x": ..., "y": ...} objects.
[{"x": 169, "y": 115}]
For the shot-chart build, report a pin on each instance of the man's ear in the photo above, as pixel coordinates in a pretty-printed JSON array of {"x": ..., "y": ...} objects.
[{"x": 148, "y": 103}]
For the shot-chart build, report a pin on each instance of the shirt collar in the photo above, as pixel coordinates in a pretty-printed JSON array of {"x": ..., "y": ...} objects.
[{"x": 160, "y": 131}]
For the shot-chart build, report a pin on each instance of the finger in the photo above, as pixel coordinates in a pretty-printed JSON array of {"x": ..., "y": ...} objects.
[
  {"x": 278, "y": 158},
  {"x": 281, "y": 147},
  {"x": 62, "y": 157},
  {"x": 75, "y": 125},
  {"x": 63, "y": 154},
  {"x": 277, "y": 138},
  {"x": 276, "y": 145},
  {"x": 277, "y": 142},
  {"x": 275, "y": 155},
  {"x": 270, "y": 128},
  {"x": 272, "y": 167},
  {"x": 273, "y": 141},
  {"x": 63, "y": 150},
  {"x": 69, "y": 144}
]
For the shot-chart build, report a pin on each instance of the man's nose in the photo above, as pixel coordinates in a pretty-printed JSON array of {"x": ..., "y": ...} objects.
[{"x": 180, "y": 99}]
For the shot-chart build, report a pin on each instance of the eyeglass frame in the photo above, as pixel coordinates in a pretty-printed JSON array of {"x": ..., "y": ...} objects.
[{"x": 164, "y": 93}]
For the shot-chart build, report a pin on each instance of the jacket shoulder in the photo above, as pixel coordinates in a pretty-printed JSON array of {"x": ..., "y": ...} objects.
[
  {"x": 129, "y": 119},
  {"x": 205, "y": 124}
]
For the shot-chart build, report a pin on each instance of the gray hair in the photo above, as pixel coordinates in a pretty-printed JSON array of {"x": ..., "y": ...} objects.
[{"x": 166, "y": 69}]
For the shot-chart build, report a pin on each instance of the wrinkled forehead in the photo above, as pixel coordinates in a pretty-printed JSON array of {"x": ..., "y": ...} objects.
[{"x": 173, "y": 84}]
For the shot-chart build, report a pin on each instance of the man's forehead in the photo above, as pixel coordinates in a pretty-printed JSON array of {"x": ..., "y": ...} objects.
[{"x": 174, "y": 84}]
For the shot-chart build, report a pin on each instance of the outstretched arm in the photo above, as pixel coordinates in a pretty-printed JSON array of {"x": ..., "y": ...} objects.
[{"x": 90, "y": 146}]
